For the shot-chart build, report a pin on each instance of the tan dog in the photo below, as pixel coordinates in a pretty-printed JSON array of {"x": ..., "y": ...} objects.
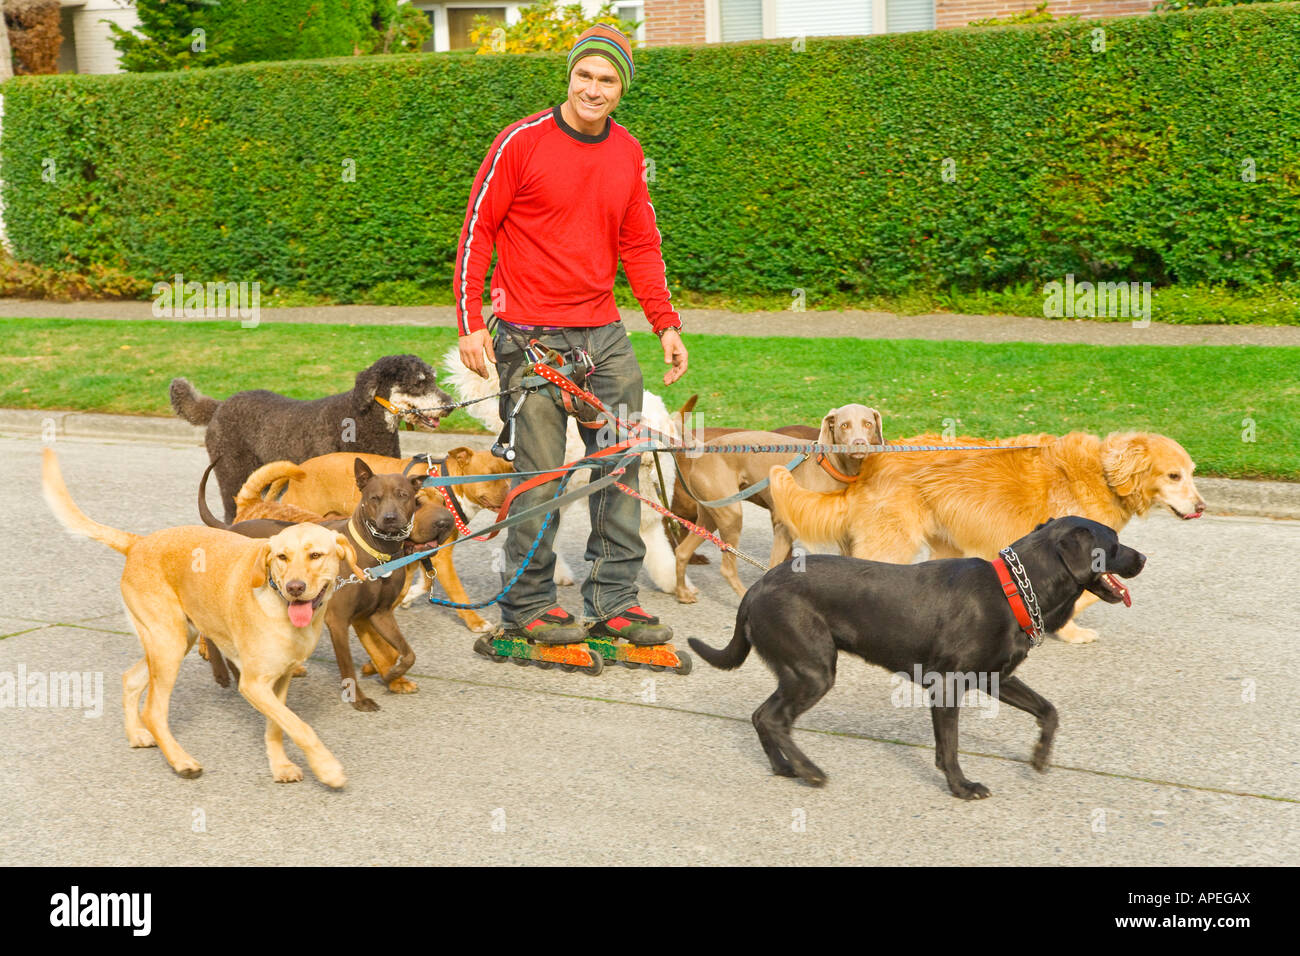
[
  {"x": 715, "y": 475},
  {"x": 326, "y": 486},
  {"x": 261, "y": 602},
  {"x": 972, "y": 504}
]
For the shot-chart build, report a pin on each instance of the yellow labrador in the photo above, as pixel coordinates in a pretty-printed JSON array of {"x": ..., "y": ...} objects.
[{"x": 262, "y": 602}]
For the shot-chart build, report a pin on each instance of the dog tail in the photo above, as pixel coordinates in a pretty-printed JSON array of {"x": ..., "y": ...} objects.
[
  {"x": 69, "y": 515},
  {"x": 191, "y": 404},
  {"x": 256, "y": 484},
  {"x": 734, "y": 654},
  {"x": 813, "y": 516},
  {"x": 208, "y": 517}
]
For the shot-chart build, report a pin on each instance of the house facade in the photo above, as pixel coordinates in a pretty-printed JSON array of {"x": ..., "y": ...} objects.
[
  {"x": 87, "y": 47},
  {"x": 669, "y": 22}
]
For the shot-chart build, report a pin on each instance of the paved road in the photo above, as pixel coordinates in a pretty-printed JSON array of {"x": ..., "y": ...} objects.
[
  {"x": 847, "y": 323},
  {"x": 1178, "y": 744}
]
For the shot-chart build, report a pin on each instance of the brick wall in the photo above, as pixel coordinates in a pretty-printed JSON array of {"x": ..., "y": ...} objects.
[
  {"x": 682, "y": 21},
  {"x": 670, "y": 22}
]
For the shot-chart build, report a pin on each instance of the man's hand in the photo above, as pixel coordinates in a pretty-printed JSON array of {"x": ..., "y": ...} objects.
[
  {"x": 474, "y": 346},
  {"x": 674, "y": 355}
]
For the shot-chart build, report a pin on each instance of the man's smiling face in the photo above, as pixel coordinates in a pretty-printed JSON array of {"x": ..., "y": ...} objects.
[{"x": 594, "y": 91}]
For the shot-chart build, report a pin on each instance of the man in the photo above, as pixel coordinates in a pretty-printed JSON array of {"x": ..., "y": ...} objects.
[{"x": 562, "y": 197}]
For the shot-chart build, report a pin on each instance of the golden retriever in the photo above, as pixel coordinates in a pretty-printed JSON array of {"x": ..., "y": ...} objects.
[{"x": 973, "y": 503}]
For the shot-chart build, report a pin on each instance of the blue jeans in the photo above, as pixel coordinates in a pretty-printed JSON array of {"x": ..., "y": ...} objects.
[{"x": 614, "y": 548}]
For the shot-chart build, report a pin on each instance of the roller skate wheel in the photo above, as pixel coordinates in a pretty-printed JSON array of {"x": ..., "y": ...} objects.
[
  {"x": 521, "y": 661},
  {"x": 657, "y": 667},
  {"x": 568, "y": 668},
  {"x": 597, "y": 663},
  {"x": 544, "y": 665},
  {"x": 684, "y": 663}
]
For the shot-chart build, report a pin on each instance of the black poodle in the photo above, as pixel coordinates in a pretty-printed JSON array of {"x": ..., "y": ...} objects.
[{"x": 249, "y": 429}]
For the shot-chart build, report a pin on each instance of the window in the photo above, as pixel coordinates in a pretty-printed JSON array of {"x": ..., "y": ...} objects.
[
  {"x": 823, "y": 18},
  {"x": 460, "y": 20},
  {"x": 740, "y": 20},
  {"x": 904, "y": 16},
  {"x": 633, "y": 10}
]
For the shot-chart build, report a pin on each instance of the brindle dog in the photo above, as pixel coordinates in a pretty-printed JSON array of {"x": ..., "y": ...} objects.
[{"x": 384, "y": 520}]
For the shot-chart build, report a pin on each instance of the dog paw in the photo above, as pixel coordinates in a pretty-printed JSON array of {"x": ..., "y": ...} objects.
[
  {"x": 403, "y": 685},
  {"x": 1073, "y": 634},
  {"x": 687, "y": 595},
  {"x": 969, "y": 790},
  {"x": 365, "y": 705},
  {"x": 368, "y": 668},
  {"x": 189, "y": 769},
  {"x": 287, "y": 773},
  {"x": 300, "y": 670},
  {"x": 1041, "y": 755},
  {"x": 140, "y": 738},
  {"x": 331, "y": 773},
  {"x": 813, "y": 776},
  {"x": 480, "y": 626}
]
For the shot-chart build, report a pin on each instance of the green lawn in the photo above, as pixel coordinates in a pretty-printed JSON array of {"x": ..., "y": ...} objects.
[{"x": 1207, "y": 397}]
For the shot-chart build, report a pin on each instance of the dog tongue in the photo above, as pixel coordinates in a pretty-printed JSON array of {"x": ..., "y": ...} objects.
[
  {"x": 300, "y": 613},
  {"x": 1119, "y": 589}
]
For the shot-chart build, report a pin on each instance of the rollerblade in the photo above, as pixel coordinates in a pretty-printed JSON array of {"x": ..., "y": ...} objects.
[
  {"x": 555, "y": 638},
  {"x": 634, "y": 639}
]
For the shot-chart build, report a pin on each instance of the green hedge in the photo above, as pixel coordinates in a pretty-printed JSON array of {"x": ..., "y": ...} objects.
[{"x": 774, "y": 168}]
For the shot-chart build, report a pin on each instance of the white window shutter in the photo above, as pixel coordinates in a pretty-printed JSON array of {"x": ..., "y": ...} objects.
[
  {"x": 740, "y": 20},
  {"x": 823, "y": 18},
  {"x": 904, "y": 16}
]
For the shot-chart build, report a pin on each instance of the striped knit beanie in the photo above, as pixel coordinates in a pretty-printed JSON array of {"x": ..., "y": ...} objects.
[{"x": 604, "y": 40}]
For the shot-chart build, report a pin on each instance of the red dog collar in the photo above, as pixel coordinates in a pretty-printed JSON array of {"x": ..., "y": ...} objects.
[
  {"x": 834, "y": 472},
  {"x": 1017, "y": 601}
]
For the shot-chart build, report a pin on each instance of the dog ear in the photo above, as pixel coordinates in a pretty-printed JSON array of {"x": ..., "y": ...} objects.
[
  {"x": 827, "y": 434},
  {"x": 365, "y": 390},
  {"x": 1125, "y": 459},
  {"x": 462, "y": 455},
  {"x": 880, "y": 428},
  {"x": 1076, "y": 547},
  {"x": 417, "y": 482},
  {"x": 347, "y": 553},
  {"x": 261, "y": 567},
  {"x": 362, "y": 472}
]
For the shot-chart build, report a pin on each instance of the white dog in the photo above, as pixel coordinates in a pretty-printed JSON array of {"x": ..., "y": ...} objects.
[{"x": 660, "y": 562}]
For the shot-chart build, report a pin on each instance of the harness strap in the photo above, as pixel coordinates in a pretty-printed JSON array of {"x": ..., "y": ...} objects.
[{"x": 752, "y": 490}]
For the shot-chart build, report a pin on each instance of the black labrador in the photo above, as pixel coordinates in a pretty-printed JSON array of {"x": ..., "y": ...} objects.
[{"x": 949, "y": 617}]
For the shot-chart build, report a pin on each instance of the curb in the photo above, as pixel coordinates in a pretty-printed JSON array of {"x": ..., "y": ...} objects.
[
  {"x": 1224, "y": 496},
  {"x": 173, "y": 431}
]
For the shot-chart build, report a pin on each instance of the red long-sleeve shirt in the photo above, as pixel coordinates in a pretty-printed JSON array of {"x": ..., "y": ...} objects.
[{"x": 562, "y": 209}]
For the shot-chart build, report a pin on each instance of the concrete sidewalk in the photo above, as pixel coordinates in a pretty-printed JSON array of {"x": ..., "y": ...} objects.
[
  {"x": 842, "y": 324},
  {"x": 1225, "y": 496}
]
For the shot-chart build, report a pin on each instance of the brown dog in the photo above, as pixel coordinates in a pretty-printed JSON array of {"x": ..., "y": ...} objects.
[
  {"x": 432, "y": 524},
  {"x": 971, "y": 504},
  {"x": 379, "y": 525},
  {"x": 715, "y": 475},
  {"x": 263, "y": 603},
  {"x": 324, "y": 485}
]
